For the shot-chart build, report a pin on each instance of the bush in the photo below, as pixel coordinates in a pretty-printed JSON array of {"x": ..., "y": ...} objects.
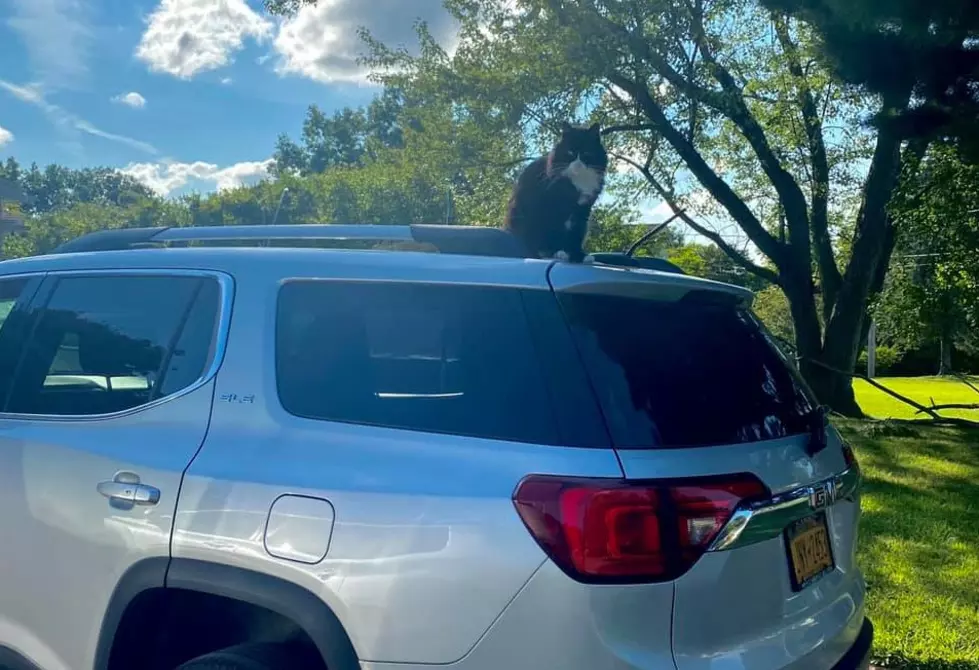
[{"x": 887, "y": 358}]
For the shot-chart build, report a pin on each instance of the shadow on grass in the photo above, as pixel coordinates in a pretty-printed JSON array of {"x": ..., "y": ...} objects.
[
  {"x": 920, "y": 541},
  {"x": 917, "y": 520}
]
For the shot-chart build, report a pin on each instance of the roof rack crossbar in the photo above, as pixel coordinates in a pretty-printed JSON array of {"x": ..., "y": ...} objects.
[{"x": 469, "y": 240}]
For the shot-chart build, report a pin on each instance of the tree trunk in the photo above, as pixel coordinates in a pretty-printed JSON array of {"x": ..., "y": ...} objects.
[
  {"x": 825, "y": 376},
  {"x": 832, "y": 388}
]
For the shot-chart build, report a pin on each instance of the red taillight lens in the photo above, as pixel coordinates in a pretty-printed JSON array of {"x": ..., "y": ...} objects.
[
  {"x": 850, "y": 458},
  {"x": 609, "y": 530}
]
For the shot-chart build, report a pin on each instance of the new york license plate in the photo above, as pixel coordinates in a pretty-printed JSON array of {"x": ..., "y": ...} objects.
[{"x": 810, "y": 554}]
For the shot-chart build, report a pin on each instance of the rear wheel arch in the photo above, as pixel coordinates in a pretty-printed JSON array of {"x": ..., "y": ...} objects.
[{"x": 150, "y": 587}]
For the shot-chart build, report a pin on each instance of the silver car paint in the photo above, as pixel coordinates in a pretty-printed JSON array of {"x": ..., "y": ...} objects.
[
  {"x": 426, "y": 550},
  {"x": 736, "y": 609},
  {"x": 427, "y": 561},
  {"x": 67, "y": 546}
]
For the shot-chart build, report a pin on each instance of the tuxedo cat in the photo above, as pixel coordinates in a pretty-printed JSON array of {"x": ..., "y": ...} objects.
[{"x": 552, "y": 200}]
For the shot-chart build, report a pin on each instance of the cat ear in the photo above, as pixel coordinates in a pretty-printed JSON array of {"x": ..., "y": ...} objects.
[
  {"x": 565, "y": 127},
  {"x": 595, "y": 128}
]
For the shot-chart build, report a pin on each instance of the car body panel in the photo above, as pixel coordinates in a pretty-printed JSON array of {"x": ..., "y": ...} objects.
[
  {"x": 736, "y": 608},
  {"x": 67, "y": 543},
  {"x": 427, "y": 548},
  {"x": 426, "y": 560}
]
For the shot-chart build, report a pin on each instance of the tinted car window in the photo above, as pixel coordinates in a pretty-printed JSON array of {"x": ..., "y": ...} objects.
[
  {"x": 436, "y": 358},
  {"x": 685, "y": 373},
  {"x": 10, "y": 291},
  {"x": 104, "y": 344},
  {"x": 14, "y": 324}
]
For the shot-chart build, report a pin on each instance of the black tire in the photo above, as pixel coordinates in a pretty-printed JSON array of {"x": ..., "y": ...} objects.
[{"x": 257, "y": 656}]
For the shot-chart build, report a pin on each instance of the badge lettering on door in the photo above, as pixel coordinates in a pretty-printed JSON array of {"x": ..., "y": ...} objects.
[{"x": 236, "y": 399}]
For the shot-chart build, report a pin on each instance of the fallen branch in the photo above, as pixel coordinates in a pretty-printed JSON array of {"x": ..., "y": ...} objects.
[
  {"x": 953, "y": 405},
  {"x": 921, "y": 409},
  {"x": 965, "y": 380}
]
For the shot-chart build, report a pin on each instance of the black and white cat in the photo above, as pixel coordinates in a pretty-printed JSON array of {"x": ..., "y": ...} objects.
[{"x": 552, "y": 200}]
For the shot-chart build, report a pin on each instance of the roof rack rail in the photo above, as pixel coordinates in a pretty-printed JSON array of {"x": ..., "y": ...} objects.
[
  {"x": 447, "y": 239},
  {"x": 469, "y": 240}
]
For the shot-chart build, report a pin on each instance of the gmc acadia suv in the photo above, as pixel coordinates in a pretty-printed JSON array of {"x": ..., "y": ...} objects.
[{"x": 233, "y": 448}]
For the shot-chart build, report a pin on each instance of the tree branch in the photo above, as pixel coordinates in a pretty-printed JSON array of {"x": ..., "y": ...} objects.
[
  {"x": 736, "y": 109},
  {"x": 955, "y": 405},
  {"x": 894, "y": 394},
  {"x": 717, "y": 187},
  {"x": 627, "y": 127},
  {"x": 829, "y": 272},
  {"x": 732, "y": 253}
]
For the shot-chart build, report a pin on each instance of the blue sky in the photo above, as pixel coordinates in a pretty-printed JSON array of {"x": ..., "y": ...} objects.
[{"x": 182, "y": 93}]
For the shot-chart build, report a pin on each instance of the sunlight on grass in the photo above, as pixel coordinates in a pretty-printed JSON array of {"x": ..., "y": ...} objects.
[
  {"x": 943, "y": 390},
  {"x": 920, "y": 541}
]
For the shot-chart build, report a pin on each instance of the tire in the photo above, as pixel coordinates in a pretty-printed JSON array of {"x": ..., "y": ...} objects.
[{"x": 257, "y": 656}]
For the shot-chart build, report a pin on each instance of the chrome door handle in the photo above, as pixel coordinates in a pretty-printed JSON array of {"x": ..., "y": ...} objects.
[{"x": 126, "y": 488}]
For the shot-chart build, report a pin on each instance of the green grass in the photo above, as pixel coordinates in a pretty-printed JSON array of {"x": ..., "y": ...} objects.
[
  {"x": 920, "y": 531},
  {"x": 943, "y": 390},
  {"x": 919, "y": 544}
]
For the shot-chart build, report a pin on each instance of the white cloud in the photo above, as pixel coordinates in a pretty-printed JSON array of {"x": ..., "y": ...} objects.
[
  {"x": 322, "y": 43},
  {"x": 6, "y": 137},
  {"x": 87, "y": 127},
  {"x": 226, "y": 81},
  {"x": 56, "y": 36},
  {"x": 65, "y": 121},
  {"x": 131, "y": 99},
  {"x": 185, "y": 37},
  {"x": 168, "y": 177}
]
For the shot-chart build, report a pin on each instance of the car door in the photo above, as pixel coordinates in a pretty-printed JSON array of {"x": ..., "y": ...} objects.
[{"x": 108, "y": 401}]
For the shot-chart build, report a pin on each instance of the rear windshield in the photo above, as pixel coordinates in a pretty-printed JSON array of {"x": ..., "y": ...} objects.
[
  {"x": 688, "y": 373},
  {"x": 434, "y": 358}
]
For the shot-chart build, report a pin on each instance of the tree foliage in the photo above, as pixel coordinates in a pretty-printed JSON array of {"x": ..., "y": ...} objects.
[
  {"x": 892, "y": 46},
  {"x": 350, "y": 137},
  {"x": 932, "y": 291}
]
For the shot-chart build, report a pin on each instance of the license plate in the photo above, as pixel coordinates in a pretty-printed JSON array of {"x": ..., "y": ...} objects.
[{"x": 810, "y": 555}]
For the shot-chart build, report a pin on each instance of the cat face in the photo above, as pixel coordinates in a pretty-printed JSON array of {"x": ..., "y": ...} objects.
[
  {"x": 584, "y": 144},
  {"x": 580, "y": 156}
]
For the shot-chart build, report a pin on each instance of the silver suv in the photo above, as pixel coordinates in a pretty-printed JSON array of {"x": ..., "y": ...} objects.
[{"x": 233, "y": 448}]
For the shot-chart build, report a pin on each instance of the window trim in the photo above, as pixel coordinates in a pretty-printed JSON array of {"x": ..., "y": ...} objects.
[{"x": 219, "y": 342}]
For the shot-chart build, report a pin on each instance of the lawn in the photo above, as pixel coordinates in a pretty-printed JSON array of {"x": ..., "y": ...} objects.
[
  {"x": 920, "y": 534},
  {"x": 942, "y": 390}
]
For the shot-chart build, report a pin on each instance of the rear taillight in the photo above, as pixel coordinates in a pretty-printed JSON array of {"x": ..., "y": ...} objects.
[
  {"x": 850, "y": 458},
  {"x": 612, "y": 530}
]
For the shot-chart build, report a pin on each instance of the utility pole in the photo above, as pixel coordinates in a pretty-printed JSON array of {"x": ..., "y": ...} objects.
[
  {"x": 872, "y": 350},
  {"x": 285, "y": 192}
]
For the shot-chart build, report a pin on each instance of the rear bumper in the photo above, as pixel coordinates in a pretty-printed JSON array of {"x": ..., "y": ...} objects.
[{"x": 858, "y": 657}]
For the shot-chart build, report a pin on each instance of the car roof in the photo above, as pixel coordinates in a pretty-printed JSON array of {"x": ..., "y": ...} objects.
[{"x": 279, "y": 264}]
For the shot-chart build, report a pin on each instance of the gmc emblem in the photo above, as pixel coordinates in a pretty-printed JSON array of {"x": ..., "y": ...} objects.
[{"x": 822, "y": 495}]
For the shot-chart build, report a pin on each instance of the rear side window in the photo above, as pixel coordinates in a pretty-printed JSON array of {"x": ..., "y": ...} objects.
[
  {"x": 688, "y": 373},
  {"x": 14, "y": 325},
  {"x": 433, "y": 358},
  {"x": 104, "y": 344}
]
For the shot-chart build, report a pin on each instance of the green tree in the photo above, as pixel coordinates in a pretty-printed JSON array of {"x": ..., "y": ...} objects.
[
  {"x": 932, "y": 292},
  {"x": 57, "y": 187},
  {"x": 352, "y": 136},
  {"x": 614, "y": 227},
  {"x": 899, "y": 47},
  {"x": 710, "y": 262}
]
